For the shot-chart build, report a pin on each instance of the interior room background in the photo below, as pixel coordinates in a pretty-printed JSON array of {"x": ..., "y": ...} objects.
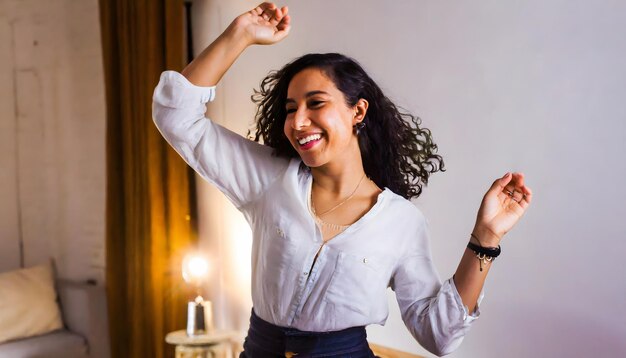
[{"x": 535, "y": 86}]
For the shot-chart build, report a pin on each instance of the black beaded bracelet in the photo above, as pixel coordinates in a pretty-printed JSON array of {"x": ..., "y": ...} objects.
[
  {"x": 487, "y": 251},
  {"x": 484, "y": 254}
]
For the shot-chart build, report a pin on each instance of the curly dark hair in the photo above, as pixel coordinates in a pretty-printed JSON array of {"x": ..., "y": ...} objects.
[{"x": 397, "y": 153}]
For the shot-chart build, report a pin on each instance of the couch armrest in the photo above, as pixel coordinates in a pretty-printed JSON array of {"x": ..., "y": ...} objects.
[{"x": 84, "y": 310}]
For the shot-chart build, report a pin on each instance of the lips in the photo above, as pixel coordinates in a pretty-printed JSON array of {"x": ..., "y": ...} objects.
[
  {"x": 309, "y": 141},
  {"x": 311, "y": 137}
]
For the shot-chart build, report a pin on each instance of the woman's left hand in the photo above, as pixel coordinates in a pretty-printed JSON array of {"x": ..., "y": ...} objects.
[{"x": 502, "y": 207}]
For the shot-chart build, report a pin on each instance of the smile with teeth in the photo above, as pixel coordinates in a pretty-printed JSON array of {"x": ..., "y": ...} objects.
[{"x": 308, "y": 139}]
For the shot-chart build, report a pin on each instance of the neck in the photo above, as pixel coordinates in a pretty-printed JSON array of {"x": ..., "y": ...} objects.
[{"x": 339, "y": 178}]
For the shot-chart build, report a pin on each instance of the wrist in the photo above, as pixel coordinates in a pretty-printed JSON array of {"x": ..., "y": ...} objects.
[
  {"x": 485, "y": 237},
  {"x": 236, "y": 34}
]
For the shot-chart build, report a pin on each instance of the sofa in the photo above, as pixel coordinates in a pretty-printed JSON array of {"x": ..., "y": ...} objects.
[{"x": 85, "y": 331}]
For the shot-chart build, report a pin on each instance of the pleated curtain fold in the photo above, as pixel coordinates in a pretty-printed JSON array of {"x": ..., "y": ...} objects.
[{"x": 149, "y": 187}]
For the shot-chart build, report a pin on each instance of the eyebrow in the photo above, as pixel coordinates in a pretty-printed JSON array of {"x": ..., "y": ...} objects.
[{"x": 307, "y": 95}]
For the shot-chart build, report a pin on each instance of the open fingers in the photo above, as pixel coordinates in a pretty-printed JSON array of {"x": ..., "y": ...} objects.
[
  {"x": 266, "y": 6},
  {"x": 266, "y": 10},
  {"x": 511, "y": 187},
  {"x": 273, "y": 15},
  {"x": 499, "y": 184},
  {"x": 283, "y": 30},
  {"x": 260, "y": 8},
  {"x": 528, "y": 196},
  {"x": 277, "y": 16},
  {"x": 515, "y": 194},
  {"x": 280, "y": 16},
  {"x": 284, "y": 23},
  {"x": 281, "y": 22},
  {"x": 518, "y": 179},
  {"x": 517, "y": 191}
]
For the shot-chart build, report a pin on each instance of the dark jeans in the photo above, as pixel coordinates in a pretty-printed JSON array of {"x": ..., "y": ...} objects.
[{"x": 266, "y": 340}]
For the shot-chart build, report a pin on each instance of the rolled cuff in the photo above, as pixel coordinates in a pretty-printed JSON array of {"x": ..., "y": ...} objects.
[
  {"x": 174, "y": 90},
  {"x": 467, "y": 316}
]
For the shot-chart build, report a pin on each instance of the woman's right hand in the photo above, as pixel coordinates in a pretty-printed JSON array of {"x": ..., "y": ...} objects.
[{"x": 266, "y": 24}]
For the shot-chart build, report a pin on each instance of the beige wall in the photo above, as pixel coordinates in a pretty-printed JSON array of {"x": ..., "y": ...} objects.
[
  {"x": 52, "y": 132},
  {"x": 534, "y": 86}
]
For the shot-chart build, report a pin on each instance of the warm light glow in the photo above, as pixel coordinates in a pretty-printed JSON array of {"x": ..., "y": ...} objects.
[
  {"x": 195, "y": 269},
  {"x": 239, "y": 271},
  {"x": 241, "y": 245}
]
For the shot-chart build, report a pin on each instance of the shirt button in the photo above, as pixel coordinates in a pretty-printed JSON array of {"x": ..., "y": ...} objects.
[
  {"x": 305, "y": 273},
  {"x": 280, "y": 232},
  {"x": 365, "y": 260}
]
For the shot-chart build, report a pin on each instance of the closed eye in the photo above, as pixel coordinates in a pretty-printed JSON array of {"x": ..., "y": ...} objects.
[{"x": 311, "y": 104}]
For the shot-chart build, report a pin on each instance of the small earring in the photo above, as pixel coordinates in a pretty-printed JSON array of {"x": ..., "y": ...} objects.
[{"x": 359, "y": 127}]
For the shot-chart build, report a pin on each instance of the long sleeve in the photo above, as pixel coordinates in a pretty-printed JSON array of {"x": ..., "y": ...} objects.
[
  {"x": 238, "y": 167},
  {"x": 433, "y": 312}
]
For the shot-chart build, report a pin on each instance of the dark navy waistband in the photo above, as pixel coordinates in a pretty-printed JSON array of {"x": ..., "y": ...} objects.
[{"x": 268, "y": 340}]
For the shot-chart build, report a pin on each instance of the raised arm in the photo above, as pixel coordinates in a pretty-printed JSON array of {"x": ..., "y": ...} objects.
[
  {"x": 264, "y": 25},
  {"x": 502, "y": 206},
  {"x": 238, "y": 167},
  {"x": 439, "y": 315}
]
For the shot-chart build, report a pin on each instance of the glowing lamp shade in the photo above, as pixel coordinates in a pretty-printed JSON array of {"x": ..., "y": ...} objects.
[{"x": 195, "y": 269}]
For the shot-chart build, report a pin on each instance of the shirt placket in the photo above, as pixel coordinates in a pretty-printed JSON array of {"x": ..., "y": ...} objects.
[
  {"x": 306, "y": 282},
  {"x": 309, "y": 272}
]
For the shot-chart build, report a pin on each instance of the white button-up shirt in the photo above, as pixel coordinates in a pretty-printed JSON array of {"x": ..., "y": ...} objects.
[{"x": 346, "y": 286}]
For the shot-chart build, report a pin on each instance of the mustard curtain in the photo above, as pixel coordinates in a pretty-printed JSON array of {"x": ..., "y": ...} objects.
[{"x": 149, "y": 216}]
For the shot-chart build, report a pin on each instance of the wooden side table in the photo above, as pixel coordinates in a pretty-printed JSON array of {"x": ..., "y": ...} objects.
[{"x": 216, "y": 344}]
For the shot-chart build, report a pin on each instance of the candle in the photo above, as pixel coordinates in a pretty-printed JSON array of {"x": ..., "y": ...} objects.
[{"x": 199, "y": 317}]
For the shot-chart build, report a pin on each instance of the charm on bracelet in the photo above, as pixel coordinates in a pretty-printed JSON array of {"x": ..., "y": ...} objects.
[{"x": 483, "y": 259}]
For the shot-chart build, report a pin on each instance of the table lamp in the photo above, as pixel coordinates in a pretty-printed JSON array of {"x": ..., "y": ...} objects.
[{"x": 199, "y": 311}]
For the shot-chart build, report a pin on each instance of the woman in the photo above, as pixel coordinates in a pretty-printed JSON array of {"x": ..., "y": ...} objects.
[{"x": 326, "y": 197}]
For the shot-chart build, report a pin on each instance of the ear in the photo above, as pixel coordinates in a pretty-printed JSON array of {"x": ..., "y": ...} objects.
[{"x": 360, "y": 109}]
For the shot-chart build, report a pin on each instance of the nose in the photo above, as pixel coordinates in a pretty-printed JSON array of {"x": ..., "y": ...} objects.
[{"x": 301, "y": 119}]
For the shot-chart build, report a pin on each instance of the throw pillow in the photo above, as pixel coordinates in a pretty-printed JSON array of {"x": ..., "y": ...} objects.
[{"x": 28, "y": 303}]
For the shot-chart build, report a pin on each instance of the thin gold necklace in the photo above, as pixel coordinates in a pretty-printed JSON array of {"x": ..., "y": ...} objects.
[{"x": 334, "y": 226}]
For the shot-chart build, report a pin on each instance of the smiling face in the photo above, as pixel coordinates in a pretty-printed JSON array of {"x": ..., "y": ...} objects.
[{"x": 319, "y": 122}]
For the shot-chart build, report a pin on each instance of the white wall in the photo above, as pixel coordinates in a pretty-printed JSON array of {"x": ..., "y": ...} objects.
[
  {"x": 52, "y": 136},
  {"x": 534, "y": 86}
]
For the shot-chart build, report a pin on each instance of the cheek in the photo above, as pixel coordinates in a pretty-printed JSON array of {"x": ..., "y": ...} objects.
[{"x": 340, "y": 124}]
